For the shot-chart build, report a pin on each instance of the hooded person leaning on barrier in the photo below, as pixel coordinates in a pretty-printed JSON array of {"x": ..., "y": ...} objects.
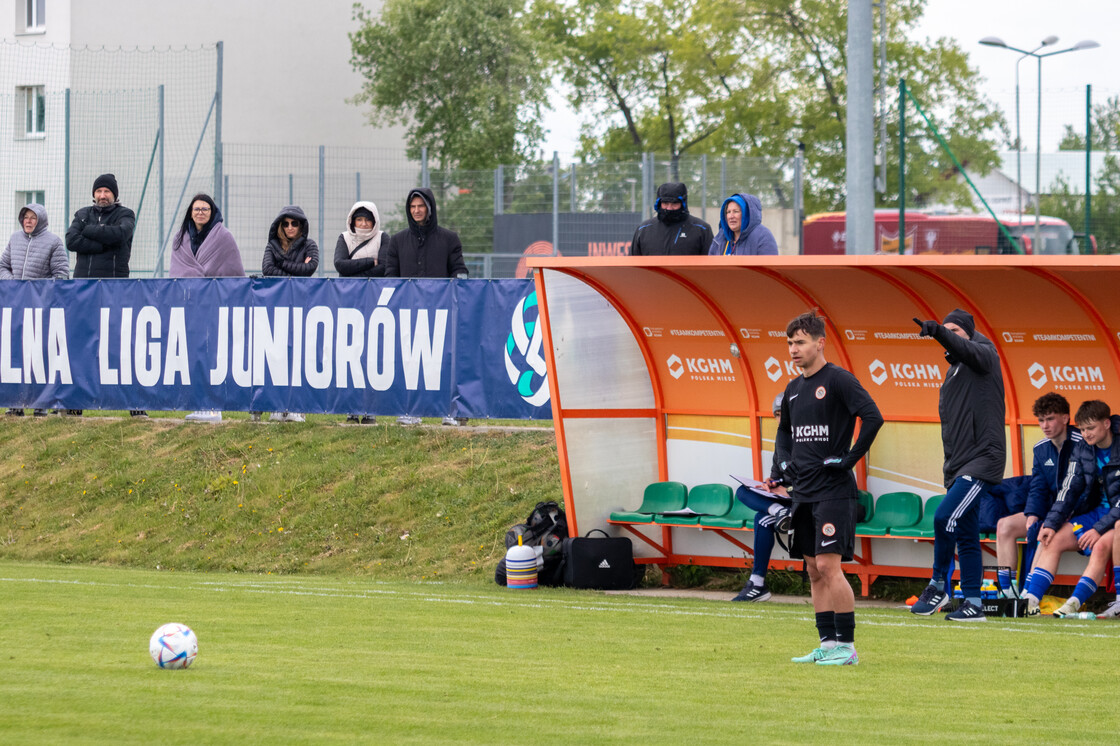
[
  {"x": 741, "y": 231},
  {"x": 424, "y": 249},
  {"x": 360, "y": 250},
  {"x": 291, "y": 252},
  {"x": 33, "y": 252},
  {"x": 673, "y": 231}
]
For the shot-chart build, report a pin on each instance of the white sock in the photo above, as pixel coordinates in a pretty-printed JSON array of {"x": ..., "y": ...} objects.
[
  {"x": 758, "y": 580},
  {"x": 829, "y": 644},
  {"x": 775, "y": 508}
]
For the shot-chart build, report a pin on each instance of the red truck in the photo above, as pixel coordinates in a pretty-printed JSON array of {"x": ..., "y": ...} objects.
[{"x": 928, "y": 233}]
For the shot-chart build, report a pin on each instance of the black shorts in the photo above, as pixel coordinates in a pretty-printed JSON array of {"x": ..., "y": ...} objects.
[{"x": 825, "y": 527}]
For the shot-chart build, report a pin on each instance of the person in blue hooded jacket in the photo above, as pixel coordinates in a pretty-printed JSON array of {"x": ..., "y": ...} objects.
[{"x": 741, "y": 231}]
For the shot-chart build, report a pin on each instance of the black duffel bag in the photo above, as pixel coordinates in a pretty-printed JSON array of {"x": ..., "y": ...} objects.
[{"x": 605, "y": 563}]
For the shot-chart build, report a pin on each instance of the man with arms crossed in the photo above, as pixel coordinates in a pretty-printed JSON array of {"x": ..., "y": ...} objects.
[
  {"x": 972, "y": 411},
  {"x": 1051, "y": 458},
  {"x": 814, "y": 456}
]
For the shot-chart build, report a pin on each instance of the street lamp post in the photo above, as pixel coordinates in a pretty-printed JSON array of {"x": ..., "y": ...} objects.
[{"x": 995, "y": 41}]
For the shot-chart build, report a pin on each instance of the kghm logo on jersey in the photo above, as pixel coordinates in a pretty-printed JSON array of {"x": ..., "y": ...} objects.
[
  {"x": 524, "y": 363},
  {"x": 811, "y": 433}
]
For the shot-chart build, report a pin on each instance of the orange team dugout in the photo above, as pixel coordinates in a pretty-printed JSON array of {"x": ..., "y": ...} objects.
[{"x": 666, "y": 368}]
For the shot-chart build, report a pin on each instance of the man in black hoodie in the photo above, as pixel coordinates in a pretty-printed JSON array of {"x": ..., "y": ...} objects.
[
  {"x": 972, "y": 411},
  {"x": 674, "y": 232},
  {"x": 424, "y": 249}
]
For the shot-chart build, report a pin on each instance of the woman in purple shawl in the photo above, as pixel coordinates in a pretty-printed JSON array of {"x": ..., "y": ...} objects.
[{"x": 203, "y": 247}]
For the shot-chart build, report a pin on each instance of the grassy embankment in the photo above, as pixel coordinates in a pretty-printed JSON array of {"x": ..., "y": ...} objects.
[{"x": 383, "y": 500}]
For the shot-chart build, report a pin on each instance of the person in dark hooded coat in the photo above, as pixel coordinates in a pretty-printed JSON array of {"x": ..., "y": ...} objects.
[
  {"x": 291, "y": 252},
  {"x": 673, "y": 232},
  {"x": 424, "y": 249}
]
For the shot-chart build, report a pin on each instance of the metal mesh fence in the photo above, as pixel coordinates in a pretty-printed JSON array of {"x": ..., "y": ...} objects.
[{"x": 74, "y": 113}]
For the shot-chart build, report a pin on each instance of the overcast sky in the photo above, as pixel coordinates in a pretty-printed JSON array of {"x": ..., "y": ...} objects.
[{"x": 1022, "y": 24}]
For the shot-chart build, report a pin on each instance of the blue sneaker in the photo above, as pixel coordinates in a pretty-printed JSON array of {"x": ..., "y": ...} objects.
[
  {"x": 753, "y": 593},
  {"x": 930, "y": 602},
  {"x": 968, "y": 612},
  {"x": 841, "y": 655}
]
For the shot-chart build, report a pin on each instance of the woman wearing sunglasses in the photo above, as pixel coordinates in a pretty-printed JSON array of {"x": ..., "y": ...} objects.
[
  {"x": 203, "y": 247},
  {"x": 291, "y": 252}
]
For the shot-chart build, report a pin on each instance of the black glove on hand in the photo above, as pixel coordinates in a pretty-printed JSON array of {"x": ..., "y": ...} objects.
[{"x": 928, "y": 327}]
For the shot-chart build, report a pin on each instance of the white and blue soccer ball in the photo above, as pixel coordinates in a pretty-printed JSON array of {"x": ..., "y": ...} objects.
[{"x": 173, "y": 646}]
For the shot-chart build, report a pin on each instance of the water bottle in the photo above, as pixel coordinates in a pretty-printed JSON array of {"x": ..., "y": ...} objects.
[{"x": 1086, "y": 615}]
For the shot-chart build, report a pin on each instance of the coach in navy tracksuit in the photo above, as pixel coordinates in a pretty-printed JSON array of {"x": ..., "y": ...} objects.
[
  {"x": 673, "y": 232},
  {"x": 973, "y": 412}
]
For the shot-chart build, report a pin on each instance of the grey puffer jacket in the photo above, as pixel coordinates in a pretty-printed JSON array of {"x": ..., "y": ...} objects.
[{"x": 39, "y": 256}]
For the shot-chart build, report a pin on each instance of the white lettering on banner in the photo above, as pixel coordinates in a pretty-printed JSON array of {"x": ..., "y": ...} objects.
[
  {"x": 1076, "y": 373},
  {"x": 140, "y": 348},
  {"x": 35, "y": 335},
  {"x": 326, "y": 347}
]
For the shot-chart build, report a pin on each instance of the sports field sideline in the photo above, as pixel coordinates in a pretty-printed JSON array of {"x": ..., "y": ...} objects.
[{"x": 329, "y": 659}]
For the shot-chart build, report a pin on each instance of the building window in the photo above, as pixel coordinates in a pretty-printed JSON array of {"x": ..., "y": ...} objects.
[
  {"x": 36, "y": 18},
  {"x": 35, "y": 111},
  {"x": 26, "y": 198}
]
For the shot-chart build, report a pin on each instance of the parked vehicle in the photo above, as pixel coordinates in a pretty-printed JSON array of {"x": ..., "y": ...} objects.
[{"x": 926, "y": 233}]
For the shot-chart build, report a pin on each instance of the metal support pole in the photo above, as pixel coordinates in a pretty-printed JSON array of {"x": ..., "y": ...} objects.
[
  {"x": 162, "y": 172},
  {"x": 881, "y": 186},
  {"x": 225, "y": 197},
  {"x": 1036, "y": 247},
  {"x": 860, "y": 136},
  {"x": 217, "y": 128},
  {"x": 798, "y": 195},
  {"x": 704, "y": 187},
  {"x": 572, "y": 176},
  {"x": 555, "y": 203},
  {"x": 901, "y": 166},
  {"x": 322, "y": 203},
  {"x": 723, "y": 180},
  {"x": 1088, "y": 166},
  {"x": 499, "y": 196},
  {"x": 425, "y": 177},
  {"x": 357, "y": 186},
  {"x": 66, "y": 162}
]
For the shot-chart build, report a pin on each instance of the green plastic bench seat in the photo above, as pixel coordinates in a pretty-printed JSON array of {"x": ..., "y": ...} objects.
[
  {"x": 657, "y": 498},
  {"x": 705, "y": 500},
  {"x": 924, "y": 527},
  {"x": 892, "y": 510},
  {"x": 740, "y": 516}
]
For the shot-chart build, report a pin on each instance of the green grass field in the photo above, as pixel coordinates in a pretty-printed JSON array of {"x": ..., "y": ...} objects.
[{"x": 333, "y": 660}]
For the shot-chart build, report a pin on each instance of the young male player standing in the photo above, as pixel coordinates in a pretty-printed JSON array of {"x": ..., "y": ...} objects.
[
  {"x": 814, "y": 455},
  {"x": 972, "y": 411}
]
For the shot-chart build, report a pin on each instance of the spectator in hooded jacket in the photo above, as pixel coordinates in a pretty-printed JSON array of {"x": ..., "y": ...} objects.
[
  {"x": 33, "y": 253},
  {"x": 291, "y": 252},
  {"x": 673, "y": 231},
  {"x": 741, "y": 231},
  {"x": 101, "y": 236},
  {"x": 360, "y": 252},
  {"x": 203, "y": 247},
  {"x": 424, "y": 249}
]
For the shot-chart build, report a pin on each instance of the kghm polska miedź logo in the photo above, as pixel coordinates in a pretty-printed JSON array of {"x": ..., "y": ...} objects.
[{"x": 524, "y": 361}]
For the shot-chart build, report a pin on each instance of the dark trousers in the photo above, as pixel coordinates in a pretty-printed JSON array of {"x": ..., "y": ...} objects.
[{"x": 957, "y": 527}]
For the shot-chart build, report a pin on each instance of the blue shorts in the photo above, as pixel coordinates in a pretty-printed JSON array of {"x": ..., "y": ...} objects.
[{"x": 1082, "y": 523}]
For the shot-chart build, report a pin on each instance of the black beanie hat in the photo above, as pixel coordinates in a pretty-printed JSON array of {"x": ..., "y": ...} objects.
[
  {"x": 109, "y": 182},
  {"x": 963, "y": 319},
  {"x": 362, "y": 212}
]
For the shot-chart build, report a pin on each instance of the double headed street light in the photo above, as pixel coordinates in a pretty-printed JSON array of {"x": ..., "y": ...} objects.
[{"x": 994, "y": 41}]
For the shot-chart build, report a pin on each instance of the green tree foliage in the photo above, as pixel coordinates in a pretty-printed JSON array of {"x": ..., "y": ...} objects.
[
  {"x": 462, "y": 75},
  {"x": 754, "y": 77},
  {"x": 1106, "y": 129}
]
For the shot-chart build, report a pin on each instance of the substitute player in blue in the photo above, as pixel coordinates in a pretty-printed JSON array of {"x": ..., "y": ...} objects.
[
  {"x": 1051, "y": 458},
  {"x": 1080, "y": 519},
  {"x": 814, "y": 456},
  {"x": 972, "y": 411}
]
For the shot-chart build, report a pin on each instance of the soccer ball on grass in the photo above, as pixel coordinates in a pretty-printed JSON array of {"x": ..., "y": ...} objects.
[{"x": 173, "y": 646}]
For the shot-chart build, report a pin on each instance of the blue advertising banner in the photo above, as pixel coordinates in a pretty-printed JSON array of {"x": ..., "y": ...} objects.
[{"x": 468, "y": 348}]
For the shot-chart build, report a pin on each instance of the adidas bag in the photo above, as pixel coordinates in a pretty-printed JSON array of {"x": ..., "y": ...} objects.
[{"x": 605, "y": 563}]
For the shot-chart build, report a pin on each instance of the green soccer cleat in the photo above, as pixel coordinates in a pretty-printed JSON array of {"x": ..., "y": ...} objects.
[
  {"x": 841, "y": 655},
  {"x": 813, "y": 657}
]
